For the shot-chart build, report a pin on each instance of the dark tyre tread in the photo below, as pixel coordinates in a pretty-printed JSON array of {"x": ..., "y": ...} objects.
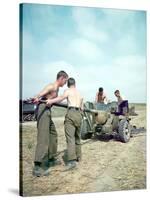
[{"x": 124, "y": 131}]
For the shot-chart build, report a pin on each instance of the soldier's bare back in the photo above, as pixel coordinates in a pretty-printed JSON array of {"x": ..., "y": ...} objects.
[{"x": 74, "y": 98}]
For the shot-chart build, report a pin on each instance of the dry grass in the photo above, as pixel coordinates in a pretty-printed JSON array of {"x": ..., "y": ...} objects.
[{"x": 106, "y": 165}]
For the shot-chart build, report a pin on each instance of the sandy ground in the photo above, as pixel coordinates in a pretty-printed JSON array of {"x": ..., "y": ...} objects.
[{"x": 107, "y": 165}]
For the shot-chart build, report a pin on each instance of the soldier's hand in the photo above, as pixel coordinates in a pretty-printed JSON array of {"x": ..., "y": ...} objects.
[
  {"x": 82, "y": 113},
  {"x": 36, "y": 100},
  {"x": 49, "y": 102}
]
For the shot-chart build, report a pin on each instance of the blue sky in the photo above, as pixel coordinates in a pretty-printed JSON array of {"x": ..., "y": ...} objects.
[{"x": 98, "y": 47}]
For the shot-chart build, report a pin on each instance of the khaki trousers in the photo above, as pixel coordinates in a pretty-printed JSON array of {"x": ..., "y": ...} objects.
[
  {"x": 72, "y": 132},
  {"x": 46, "y": 147}
]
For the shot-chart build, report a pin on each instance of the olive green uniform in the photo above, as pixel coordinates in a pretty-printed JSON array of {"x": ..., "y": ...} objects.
[
  {"x": 47, "y": 136},
  {"x": 72, "y": 132}
]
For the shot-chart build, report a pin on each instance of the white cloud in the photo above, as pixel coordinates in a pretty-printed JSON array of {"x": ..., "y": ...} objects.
[
  {"x": 84, "y": 49},
  {"x": 127, "y": 45},
  {"x": 35, "y": 77},
  {"x": 126, "y": 73},
  {"x": 88, "y": 25},
  {"x": 117, "y": 18},
  {"x": 52, "y": 68},
  {"x": 99, "y": 51}
]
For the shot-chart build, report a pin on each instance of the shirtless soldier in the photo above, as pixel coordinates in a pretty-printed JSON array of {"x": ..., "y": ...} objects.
[
  {"x": 72, "y": 122},
  {"x": 46, "y": 149},
  {"x": 101, "y": 97},
  {"x": 119, "y": 97}
]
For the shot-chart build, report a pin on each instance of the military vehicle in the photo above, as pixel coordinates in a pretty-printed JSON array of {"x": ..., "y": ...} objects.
[{"x": 27, "y": 111}]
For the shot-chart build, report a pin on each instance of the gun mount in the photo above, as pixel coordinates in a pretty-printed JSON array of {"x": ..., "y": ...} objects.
[
  {"x": 106, "y": 120},
  {"x": 97, "y": 118}
]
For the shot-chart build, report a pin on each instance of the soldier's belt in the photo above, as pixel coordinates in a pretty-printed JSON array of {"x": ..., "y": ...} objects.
[{"x": 73, "y": 108}]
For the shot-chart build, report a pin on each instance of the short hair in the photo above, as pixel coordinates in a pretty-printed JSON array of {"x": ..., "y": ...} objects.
[
  {"x": 116, "y": 91},
  {"x": 100, "y": 89},
  {"x": 62, "y": 74},
  {"x": 71, "y": 81}
]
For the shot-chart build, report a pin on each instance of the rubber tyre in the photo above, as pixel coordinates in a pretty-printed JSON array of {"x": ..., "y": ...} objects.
[{"x": 124, "y": 131}]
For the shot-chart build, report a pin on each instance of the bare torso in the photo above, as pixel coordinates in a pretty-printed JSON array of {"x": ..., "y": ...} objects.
[
  {"x": 74, "y": 98},
  {"x": 120, "y": 99},
  {"x": 100, "y": 98},
  {"x": 53, "y": 93}
]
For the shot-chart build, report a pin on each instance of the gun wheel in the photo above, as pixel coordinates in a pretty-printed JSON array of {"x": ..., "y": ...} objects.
[{"x": 124, "y": 131}]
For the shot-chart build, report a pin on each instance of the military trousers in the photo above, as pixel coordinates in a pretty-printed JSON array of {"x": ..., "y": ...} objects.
[
  {"x": 72, "y": 126},
  {"x": 46, "y": 147}
]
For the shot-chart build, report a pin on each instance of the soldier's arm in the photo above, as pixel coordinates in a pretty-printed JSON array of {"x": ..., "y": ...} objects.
[
  {"x": 106, "y": 99},
  {"x": 122, "y": 98},
  {"x": 96, "y": 98},
  {"x": 82, "y": 104},
  {"x": 45, "y": 91},
  {"x": 58, "y": 99}
]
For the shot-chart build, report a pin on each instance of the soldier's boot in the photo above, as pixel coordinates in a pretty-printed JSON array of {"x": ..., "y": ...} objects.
[
  {"x": 39, "y": 170},
  {"x": 71, "y": 165},
  {"x": 54, "y": 162},
  {"x": 78, "y": 159},
  {"x": 46, "y": 169}
]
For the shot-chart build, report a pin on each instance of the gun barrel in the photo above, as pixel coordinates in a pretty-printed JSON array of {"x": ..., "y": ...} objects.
[
  {"x": 90, "y": 110},
  {"x": 63, "y": 105}
]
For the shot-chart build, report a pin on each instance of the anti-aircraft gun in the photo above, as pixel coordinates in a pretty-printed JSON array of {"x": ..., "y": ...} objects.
[
  {"x": 106, "y": 119},
  {"x": 98, "y": 119}
]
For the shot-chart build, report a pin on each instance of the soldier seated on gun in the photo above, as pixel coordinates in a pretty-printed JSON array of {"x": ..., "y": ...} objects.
[
  {"x": 119, "y": 97},
  {"x": 101, "y": 96},
  {"x": 122, "y": 103},
  {"x": 72, "y": 122}
]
